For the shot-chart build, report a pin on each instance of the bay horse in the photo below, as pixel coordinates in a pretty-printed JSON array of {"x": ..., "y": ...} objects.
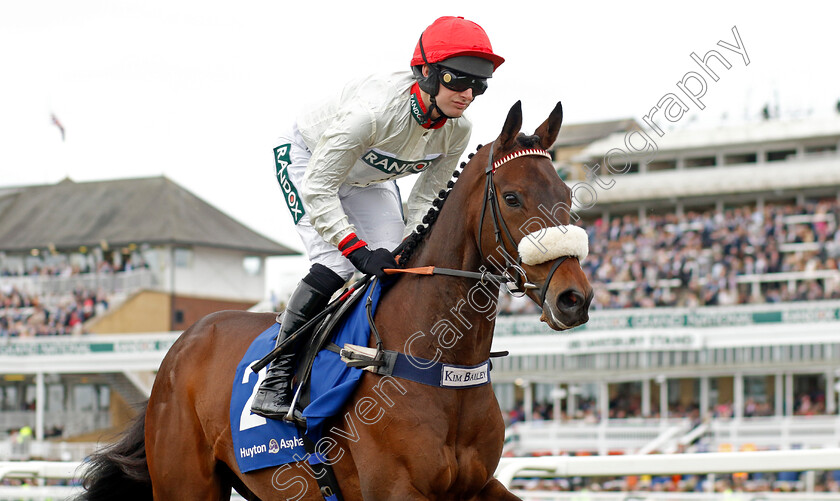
[{"x": 396, "y": 439}]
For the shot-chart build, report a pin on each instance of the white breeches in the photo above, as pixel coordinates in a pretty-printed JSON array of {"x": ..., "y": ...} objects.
[{"x": 375, "y": 211}]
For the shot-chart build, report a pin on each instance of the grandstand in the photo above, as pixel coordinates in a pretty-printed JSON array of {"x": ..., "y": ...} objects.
[
  {"x": 714, "y": 258},
  {"x": 106, "y": 259},
  {"x": 714, "y": 328}
]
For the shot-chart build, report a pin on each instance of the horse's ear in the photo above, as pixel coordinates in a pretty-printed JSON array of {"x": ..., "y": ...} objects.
[
  {"x": 547, "y": 132},
  {"x": 513, "y": 122}
]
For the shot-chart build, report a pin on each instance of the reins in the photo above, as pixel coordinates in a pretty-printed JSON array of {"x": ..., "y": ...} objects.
[{"x": 513, "y": 271}]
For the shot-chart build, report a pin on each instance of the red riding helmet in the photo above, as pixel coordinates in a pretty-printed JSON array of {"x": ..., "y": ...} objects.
[{"x": 453, "y": 38}]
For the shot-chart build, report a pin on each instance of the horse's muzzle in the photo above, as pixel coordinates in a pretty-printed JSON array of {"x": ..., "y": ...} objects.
[{"x": 569, "y": 309}]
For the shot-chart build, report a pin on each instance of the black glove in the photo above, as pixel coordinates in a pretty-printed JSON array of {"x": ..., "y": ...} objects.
[{"x": 371, "y": 262}]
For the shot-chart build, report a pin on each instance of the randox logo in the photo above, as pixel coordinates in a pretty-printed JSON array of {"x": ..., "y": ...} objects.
[
  {"x": 416, "y": 112},
  {"x": 392, "y": 165},
  {"x": 290, "y": 193}
]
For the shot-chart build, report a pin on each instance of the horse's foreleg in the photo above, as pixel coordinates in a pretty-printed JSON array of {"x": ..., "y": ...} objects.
[{"x": 495, "y": 491}]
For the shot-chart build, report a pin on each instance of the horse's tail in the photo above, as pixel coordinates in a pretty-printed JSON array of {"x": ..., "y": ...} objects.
[{"x": 120, "y": 471}]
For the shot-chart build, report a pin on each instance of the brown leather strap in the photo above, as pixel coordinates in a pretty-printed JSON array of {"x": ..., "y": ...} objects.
[{"x": 422, "y": 270}]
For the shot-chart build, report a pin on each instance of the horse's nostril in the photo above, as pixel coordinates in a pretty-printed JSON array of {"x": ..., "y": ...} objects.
[{"x": 570, "y": 299}]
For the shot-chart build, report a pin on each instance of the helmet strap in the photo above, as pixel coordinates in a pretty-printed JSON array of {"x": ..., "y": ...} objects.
[
  {"x": 434, "y": 106},
  {"x": 431, "y": 83},
  {"x": 434, "y": 88}
]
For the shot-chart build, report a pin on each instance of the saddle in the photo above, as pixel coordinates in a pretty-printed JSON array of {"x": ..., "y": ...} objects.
[{"x": 320, "y": 340}]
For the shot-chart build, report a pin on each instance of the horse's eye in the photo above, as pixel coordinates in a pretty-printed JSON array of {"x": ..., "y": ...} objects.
[{"x": 512, "y": 200}]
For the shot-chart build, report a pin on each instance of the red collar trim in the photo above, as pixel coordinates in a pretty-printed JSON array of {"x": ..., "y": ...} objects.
[{"x": 418, "y": 110}]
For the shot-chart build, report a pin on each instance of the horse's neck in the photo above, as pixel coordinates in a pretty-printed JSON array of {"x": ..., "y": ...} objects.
[{"x": 455, "y": 315}]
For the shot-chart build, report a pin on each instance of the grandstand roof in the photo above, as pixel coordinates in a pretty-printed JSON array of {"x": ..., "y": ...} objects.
[
  {"x": 819, "y": 173},
  {"x": 768, "y": 131},
  {"x": 152, "y": 210},
  {"x": 584, "y": 133}
]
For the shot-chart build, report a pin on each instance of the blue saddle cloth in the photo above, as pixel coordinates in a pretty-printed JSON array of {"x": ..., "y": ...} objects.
[{"x": 262, "y": 443}]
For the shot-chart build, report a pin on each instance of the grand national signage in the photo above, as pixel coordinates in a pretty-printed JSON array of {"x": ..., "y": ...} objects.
[
  {"x": 676, "y": 318},
  {"x": 86, "y": 345},
  {"x": 649, "y": 341}
]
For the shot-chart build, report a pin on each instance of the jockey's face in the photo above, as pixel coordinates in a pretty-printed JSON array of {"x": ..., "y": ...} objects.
[{"x": 452, "y": 103}]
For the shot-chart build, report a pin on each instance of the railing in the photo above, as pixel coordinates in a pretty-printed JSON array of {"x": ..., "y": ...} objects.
[
  {"x": 112, "y": 282},
  {"x": 630, "y": 436},
  {"x": 47, "y": 450},
  {"x": 624, "y": 436},
  {"x": 776, "y": 432},
  {"x": 681, "y": 318},
  {"x": 37, "y": 473},
  {"x": 551, "y": 467},
  {"x": 673, "y": 496},
  {"x": 70, "y": 422},
  {"x": 74, "y": 354},
  {"x": 672, "y": 464}
]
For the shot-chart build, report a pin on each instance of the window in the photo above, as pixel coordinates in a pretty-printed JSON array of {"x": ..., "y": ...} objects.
[
  {"x": 662, "y": 165},
  {"x": 821, "y": 149},
  {"x": 104, "y": 397},
  {"x": 84, "y": 397},
  {"x": 55, "y": 397},
  {"x": 740, "y": 158},
  {"x": 183, "y": 257},
  {"x": 692, "y": 163},
  {"x": 252, "y": 265},
  {"x": 10, "y": 399},
  {"x": 780, "y": 155}
]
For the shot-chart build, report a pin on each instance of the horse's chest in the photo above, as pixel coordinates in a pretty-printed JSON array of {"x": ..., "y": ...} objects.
[
  {"x": 461, "y": 473},
  {"x": 467, "y": 462}
]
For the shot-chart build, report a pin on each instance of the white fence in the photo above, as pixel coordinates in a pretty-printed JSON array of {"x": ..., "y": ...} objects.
[
  {"x": 71, "y": 422},
  {"x": 673, "y": 464},
  {"x": 775, "y": 432},
  {"x": 673, "y": 496},
  {"x": 631, "y": 436},
  {"x": 669, "y": 464},
  {"x": 620, "y": 435},
  {"x": 551, "y": 467},
  {"x": 33, "y": 449}
]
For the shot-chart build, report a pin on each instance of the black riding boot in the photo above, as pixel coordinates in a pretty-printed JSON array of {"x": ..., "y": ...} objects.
[{"x": 274, "y": 397}]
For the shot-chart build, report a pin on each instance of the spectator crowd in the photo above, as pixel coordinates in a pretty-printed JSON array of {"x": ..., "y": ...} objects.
[
  {"x": 29, "y": 315},
  {"x": 697, "y": 259},
  {"x": 629, "y": 406},
  {"x": 732, "y": 487}
]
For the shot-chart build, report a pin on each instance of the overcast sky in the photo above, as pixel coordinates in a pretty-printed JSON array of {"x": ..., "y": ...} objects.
[{"x": 197, "y": 90}]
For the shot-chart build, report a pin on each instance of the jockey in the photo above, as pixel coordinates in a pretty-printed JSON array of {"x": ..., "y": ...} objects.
[{"x": 337, "y": 165}]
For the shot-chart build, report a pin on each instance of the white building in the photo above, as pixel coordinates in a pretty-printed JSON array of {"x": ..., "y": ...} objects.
[{"x": 165, "y": 249}]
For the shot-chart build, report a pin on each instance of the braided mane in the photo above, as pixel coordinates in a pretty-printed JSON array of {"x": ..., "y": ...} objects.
[{"x": 413, "y": 241}]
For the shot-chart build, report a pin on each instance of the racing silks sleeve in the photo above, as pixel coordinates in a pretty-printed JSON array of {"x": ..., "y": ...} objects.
[{"x": 342, "y": 143}]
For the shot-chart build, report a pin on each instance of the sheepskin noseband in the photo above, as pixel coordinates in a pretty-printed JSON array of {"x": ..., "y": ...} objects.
[{"x": 548, "y": 244}]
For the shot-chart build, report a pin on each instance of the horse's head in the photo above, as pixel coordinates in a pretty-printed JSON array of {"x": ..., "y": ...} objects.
[{"x": 524, "y": 221}]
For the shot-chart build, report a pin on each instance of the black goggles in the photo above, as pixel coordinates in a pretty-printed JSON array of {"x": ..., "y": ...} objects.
[{"x": 460, "y": 82}]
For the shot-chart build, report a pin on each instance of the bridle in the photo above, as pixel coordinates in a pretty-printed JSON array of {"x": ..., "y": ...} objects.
[{"x": 513, "y": 271}]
